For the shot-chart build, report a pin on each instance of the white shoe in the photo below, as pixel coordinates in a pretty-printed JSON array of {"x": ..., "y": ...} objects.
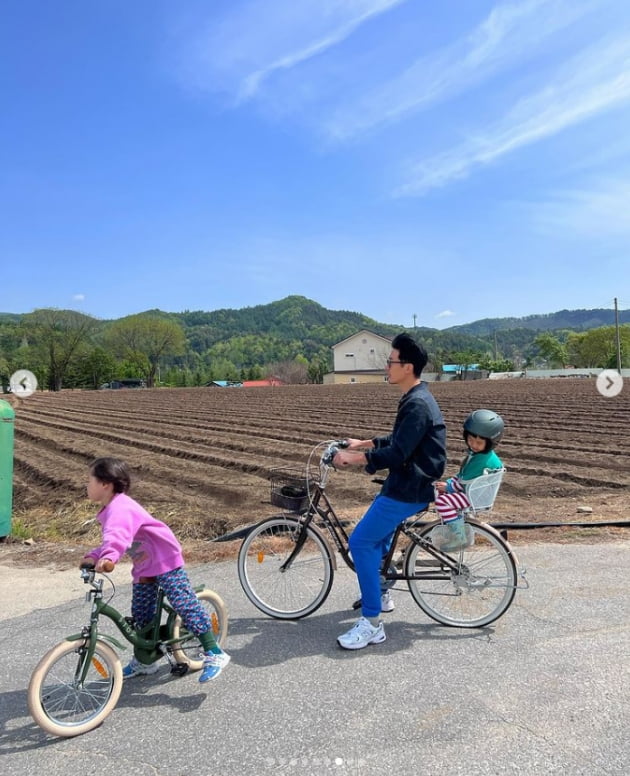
[
  {"x": 136, "y": 668},
  {"x": 387, "y": 602},
  {"x": 362, "y": 634},
  {"x": 213, "y": 664}
]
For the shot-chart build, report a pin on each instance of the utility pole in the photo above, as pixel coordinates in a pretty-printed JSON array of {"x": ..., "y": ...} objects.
[
  {"x": 414, "y": 321},
  {"x": 617, "y": 339}
]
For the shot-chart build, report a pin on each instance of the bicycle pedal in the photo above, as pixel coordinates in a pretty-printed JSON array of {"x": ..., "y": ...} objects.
[
  {"x": 357, "y": 604},
  {"x": 179, "y": 669}
]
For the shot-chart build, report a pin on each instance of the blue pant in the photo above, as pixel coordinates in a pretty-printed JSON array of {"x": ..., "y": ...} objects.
[{"x": 370, "y": 541}]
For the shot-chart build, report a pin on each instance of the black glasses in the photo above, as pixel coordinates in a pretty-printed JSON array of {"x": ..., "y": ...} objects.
[{"x": 391, "y": 361}]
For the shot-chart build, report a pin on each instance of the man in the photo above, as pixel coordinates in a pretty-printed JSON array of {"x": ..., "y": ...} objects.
[{"x": 415, "y": 454}]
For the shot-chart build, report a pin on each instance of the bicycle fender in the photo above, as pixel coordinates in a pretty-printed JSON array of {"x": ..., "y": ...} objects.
[
  {"x": 492, "y": 529},
  {"x": 102, "y": 636}
]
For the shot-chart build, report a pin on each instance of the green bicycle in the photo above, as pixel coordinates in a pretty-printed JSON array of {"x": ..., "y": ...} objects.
[{"x": 78, "y": 682}]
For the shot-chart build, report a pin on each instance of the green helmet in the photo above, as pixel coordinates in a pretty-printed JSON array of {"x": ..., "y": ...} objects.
[{"x": 486, "y": 424}]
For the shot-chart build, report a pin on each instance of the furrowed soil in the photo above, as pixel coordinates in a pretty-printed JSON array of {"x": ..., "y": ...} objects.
[{"x": 201, "y": 458}]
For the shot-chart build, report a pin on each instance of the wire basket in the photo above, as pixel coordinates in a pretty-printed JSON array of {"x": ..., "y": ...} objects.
[{"x": 290, "y": 488}]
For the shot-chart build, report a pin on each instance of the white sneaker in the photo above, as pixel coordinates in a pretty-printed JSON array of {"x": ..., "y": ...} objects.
[
  {"x": 213, "y": 664},
  {"x": 136, "y": 668},
  {"x": 362, "y": 634},
  {"x": 387, "y": 602}
]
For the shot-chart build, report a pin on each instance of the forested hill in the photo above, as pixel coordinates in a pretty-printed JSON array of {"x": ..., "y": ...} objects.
[
  {"x": 236, "y": 339},
  {"x": 575, "y": 320}
]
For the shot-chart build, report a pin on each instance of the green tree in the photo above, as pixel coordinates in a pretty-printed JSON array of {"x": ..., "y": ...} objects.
[
  {"x": 58, "y": 337},
  {"x": 98, "y": 366},
  {"x": 598, "y": 347},
  {"x": 316, "y": 371},
  {"x": 465, "y": 359},
  {"x": 552, "y": 349},
  {"x": 144, "y": 340},
  {"x": 496, "y": 364}
]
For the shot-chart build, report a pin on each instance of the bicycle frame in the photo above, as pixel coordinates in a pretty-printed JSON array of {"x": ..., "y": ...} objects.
[
  {"x": 146, "y": 642},
  {"x": 340, "y": 538}
]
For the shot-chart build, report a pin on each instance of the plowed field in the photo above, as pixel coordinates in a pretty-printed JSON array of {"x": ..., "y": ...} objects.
[{"x": 201, "y": 457}]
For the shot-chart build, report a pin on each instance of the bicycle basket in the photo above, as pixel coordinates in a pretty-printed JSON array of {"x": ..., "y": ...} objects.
[{"x": 290, "y": 489}]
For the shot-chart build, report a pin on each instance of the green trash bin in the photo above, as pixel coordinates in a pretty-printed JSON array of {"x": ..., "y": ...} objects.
[{"x": 7, "y": 416}]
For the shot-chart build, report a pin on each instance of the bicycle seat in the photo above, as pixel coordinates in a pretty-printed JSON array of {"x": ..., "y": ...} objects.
[{"x": 483, "y": 490}]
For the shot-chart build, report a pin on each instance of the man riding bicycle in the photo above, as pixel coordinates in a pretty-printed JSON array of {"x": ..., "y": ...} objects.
[{"x": 415, "y": 454}]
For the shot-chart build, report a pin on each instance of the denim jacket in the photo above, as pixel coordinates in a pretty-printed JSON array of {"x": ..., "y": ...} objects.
[{"x": 415, "y": 451}]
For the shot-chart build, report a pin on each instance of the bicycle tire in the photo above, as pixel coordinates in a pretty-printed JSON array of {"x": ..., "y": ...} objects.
[
  {"x": 190, "y": 650},
  {"x": 478, "y": 593},
  {"x": 62, "y": 708},
  {"x": 292, "y": 593}
]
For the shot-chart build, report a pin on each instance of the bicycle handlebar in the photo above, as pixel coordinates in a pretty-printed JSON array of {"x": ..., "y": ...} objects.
[
  {"x": 88, "y": 569},
  {"x": 331, "y": 451}
]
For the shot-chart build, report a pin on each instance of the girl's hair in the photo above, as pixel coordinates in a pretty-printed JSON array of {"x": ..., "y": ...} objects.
[{"x": 112, "y": 470}]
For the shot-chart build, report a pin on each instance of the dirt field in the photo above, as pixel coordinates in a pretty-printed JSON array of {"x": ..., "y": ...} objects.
[{"x": 201, "y": 458}]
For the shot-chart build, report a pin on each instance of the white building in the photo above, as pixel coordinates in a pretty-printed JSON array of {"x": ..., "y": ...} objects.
[{"x": 360, "y": 359}]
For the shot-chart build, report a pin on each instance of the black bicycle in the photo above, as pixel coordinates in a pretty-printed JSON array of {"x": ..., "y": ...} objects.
[{"x": 286, "y": 563}]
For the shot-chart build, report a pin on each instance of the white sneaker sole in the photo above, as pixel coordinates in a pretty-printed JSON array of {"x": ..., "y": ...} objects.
[{"x": 362, "y": 645}]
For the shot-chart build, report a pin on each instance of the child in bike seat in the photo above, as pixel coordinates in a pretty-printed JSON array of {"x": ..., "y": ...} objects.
[
  {"x": 483, "y": 430},
  {"x": 157, "y": 560}
]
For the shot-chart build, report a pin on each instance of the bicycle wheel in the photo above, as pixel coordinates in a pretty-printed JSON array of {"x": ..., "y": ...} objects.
[
  {"x": 189, "y": 649},
  {"x": 477, "y": 592},
  {"x": 61, "y": 704},
  {"x": 285, "y": 592}
]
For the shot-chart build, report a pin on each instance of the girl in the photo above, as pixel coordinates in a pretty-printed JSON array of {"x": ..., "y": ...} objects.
[
  {"x": 483, "y": 430},
  {"x": 157, "y": 559}
]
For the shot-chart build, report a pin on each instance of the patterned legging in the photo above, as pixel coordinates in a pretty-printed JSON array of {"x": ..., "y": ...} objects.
[{"x": 181, "y": 596}]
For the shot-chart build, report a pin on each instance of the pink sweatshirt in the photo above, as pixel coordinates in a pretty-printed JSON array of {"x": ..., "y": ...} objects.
[{"x": 128, "y": 527}]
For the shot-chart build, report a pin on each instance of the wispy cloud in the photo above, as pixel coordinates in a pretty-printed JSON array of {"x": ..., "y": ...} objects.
[
  {"x": 334, "y": 33},
  {"x": 511, "y": 32},
  {"x": 253, "y": 40},
  {"x": 78, "y": 297},
  {"x": 598, "y": 211},
  {"x": 446, "y": 314},
  {"x": 590, "y": 84}
]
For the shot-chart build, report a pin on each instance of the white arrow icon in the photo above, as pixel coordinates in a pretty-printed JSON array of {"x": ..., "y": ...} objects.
[
  {"x": 609, "y": 383},
  {"x": 23, "y": 383}
]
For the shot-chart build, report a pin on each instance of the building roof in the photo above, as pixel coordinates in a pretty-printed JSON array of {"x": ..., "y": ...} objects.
[{"x": 388, "y": 340}]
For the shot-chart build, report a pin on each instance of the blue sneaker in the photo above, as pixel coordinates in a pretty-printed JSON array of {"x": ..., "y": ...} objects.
[
  {"x": 136, "y": 668},
  {"x": 213, "y": 664}
]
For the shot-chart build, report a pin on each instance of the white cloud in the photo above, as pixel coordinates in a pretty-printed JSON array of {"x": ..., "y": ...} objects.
[
  {"x": 591, "y": 83},
  {"x": 239, "y": 52},
  {"x": 510, "y": 33},
  {"x": 331, "y": 36},
  {"x": 78, "y": 297},
  {"x": 445, "y": 314}
]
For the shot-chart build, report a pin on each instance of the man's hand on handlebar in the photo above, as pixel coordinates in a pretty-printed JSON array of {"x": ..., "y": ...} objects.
[{"x": 345, "y": 458}]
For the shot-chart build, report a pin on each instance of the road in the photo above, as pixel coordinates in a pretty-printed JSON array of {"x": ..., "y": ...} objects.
[{"x": 545, "y": 690}]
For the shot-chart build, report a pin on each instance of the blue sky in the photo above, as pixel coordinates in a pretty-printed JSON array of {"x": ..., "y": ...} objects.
[{"x": 451, "y": 160}]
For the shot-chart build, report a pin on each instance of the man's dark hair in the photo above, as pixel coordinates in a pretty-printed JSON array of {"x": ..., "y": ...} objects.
[
  {"x": 411, "y": 352},
  {"x": 112, "y": 470}
]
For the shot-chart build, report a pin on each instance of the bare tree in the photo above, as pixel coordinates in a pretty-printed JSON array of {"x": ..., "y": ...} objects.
[{"x": 290, "y": 372}]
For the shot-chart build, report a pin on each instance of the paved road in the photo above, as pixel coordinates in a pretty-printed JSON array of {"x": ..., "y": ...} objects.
[{"x": 544, "y": 691}]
